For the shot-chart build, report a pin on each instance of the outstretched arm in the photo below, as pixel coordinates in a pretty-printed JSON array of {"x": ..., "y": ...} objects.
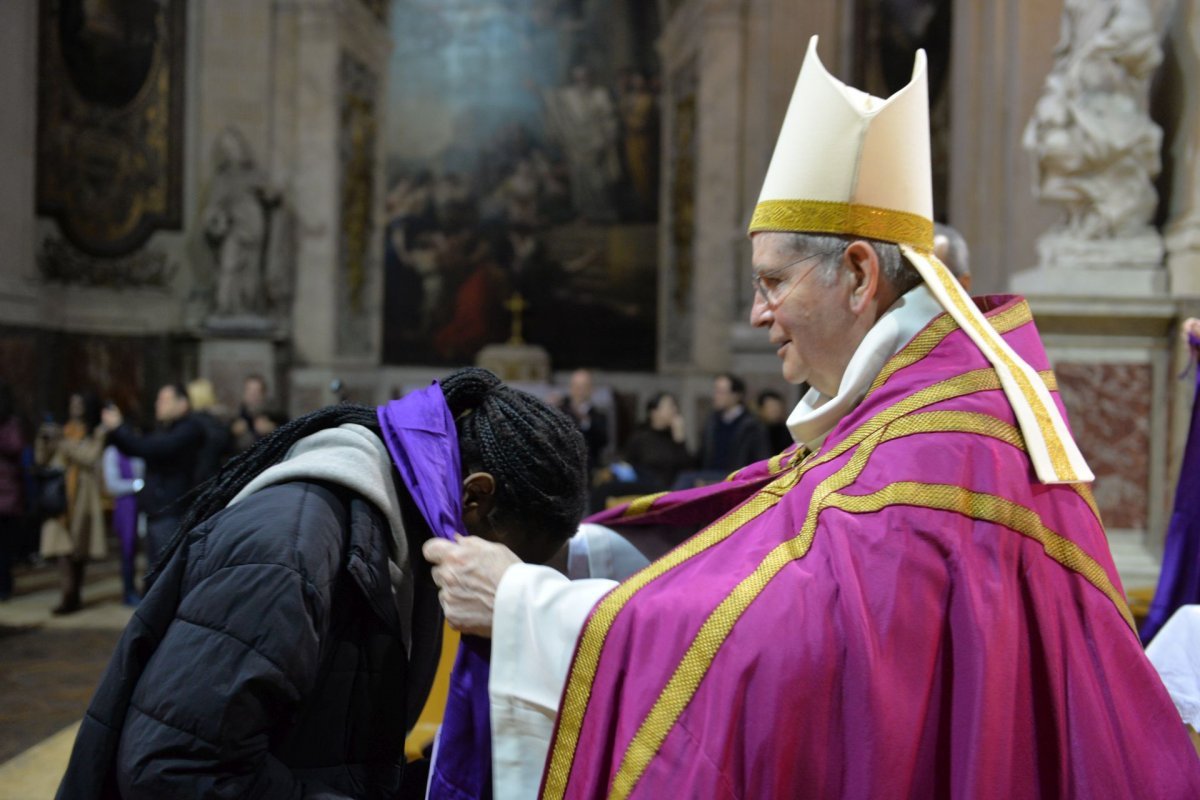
[{"x": 160, "y": 445}]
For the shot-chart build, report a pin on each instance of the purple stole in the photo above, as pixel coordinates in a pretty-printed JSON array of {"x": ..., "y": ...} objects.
[
  {"x": 125, "y": 511},
  {"x": 1179, "y": 582},
  {"x": 422, "y": 439}
]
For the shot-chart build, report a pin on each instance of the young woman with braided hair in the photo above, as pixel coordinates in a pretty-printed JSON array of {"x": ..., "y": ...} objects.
[{"x": 291, "y": 631}]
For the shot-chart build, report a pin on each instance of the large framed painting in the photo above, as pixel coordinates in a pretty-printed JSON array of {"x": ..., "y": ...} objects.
[
  {"x": 522, "y": 154},
  {"x": 110, "y": 120}
]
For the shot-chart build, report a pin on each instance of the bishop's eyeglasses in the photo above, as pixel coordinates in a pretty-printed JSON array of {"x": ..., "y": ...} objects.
[{"x": 774, "y": 289}]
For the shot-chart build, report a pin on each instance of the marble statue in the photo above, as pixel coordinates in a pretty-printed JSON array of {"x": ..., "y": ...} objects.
[
  {"x": 249, "y": 231},
  {"x": 1095, "y": 148}
]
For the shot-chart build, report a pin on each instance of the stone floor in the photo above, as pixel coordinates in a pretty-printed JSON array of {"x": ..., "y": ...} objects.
[{"x": 49, "y": 667}]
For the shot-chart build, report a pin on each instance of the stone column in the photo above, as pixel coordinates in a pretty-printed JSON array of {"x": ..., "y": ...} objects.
[
  {"x": 336, "y": 70},
  {"x": 1183, "y": 150},
  {"x": 1001, "y": 53},
  {"x": 730, "y": 67}
]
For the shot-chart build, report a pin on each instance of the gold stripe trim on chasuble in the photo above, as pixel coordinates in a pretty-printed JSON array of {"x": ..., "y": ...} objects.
[
  {"x": 989, "y": 508},
  {"x": 996, "y": 350},
  {"x": 853, "y": 219},
  {"x": 933, "y": 335},
  {"x": 642, "y": 504},
  {"x": 591, "y": 641},
  {"x": 939, "y": 497}
]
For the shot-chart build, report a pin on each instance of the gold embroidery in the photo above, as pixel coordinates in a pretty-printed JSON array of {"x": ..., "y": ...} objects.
[
  {"x": 854, "y": 219},
  {"x": 694, "y": 664},
  {"x": 924, "y": 342},
  {"x": 591, "y": 641},
  {"x": 989, "y": 508},
  {"x": 993, "y": 348},
  {"x": 642, "y": 504},
  {"x": 1085, "y": 491}
]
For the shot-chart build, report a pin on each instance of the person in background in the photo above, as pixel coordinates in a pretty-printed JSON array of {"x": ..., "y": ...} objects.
[
  {"x": 592, "y": 422},
  {"x": 773, "y": 413},
  {"x": 171, "y": 453},
  {"x": 217, "y": 436},
  {"x": 124, "y": 477},
  {"x": 656, "y": 450},
  {"x": 733, "y": 437},
  {"x": 12, "y": 442},
  {"x": 951, "y": 248},
  {"x": 255, "y": 419},
  {"x": 78, "y": 533}
]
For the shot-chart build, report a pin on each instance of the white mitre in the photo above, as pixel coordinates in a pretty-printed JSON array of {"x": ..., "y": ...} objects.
[{"x": 851, "y": 164}]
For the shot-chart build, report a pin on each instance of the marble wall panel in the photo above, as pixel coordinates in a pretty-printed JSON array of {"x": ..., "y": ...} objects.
[{"x": 1109, "y": 410}]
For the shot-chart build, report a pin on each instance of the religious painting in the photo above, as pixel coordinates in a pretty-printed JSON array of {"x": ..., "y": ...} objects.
[
  {"x": 522, "y": 151},
  {"x": 888, "y": 34},
  {"x": 110, "y": 114}
]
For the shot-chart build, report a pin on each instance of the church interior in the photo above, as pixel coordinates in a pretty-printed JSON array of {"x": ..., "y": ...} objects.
[{"x": 343, "y": 200}]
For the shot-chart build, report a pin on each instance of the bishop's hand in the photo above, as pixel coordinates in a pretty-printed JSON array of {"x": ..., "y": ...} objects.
[{"x": 467, "y": 573}]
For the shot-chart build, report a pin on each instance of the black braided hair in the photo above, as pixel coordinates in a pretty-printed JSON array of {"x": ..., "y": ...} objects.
[{"x": 534, "y": 452}]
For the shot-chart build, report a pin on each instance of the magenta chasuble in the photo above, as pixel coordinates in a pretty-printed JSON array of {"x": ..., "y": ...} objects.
[{"x": 905, "y": 613}]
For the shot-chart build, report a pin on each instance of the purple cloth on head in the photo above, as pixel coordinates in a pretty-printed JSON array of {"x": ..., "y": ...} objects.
[
  {"x": 125, "y": 511},
  {"x": 1179, "y": 581},
  {"x": 421, "y": 437}
]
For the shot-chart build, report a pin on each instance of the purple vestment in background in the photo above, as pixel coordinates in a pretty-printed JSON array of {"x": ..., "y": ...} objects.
[
  {"x": 1179, "y": 582},
  {"x": 125, "y": 511},
  {"x": 421, "y": 437}
]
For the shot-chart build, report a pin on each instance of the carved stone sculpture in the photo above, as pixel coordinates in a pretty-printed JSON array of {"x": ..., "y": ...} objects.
[
  {"x": 1095, "y": 148},
  {"x": 249, "y": 231}
]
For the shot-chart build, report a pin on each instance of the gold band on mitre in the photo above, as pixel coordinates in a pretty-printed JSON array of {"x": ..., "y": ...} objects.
[{"x": 844, "y": 219}]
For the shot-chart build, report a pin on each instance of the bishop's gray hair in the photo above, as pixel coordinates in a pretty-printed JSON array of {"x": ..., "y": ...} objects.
[{"x": 898, "y": 273}]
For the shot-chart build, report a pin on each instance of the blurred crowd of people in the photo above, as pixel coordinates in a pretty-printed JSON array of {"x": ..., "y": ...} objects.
[
  {"x": 75, "y": 482},
  {"x": 655, "y": 455},
  {"x": 95, "y": 477}
]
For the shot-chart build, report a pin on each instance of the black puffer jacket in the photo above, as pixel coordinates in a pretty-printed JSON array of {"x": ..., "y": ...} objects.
[{"x": 266, "y": 661}]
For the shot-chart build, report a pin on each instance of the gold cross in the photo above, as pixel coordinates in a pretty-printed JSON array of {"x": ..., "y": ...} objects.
[{"x": 516, "y": 305}]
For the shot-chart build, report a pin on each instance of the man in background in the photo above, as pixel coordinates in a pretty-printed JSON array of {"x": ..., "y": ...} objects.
[
  {"x": 733, "y": 436},
  {"x": 170, "y": 452},
  {"x": 255, "y": 419},
  {"x": 592, "y": 422}
]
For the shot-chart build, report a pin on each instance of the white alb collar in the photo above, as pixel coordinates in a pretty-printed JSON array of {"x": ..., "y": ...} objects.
[{"x": 817, "y": 414}]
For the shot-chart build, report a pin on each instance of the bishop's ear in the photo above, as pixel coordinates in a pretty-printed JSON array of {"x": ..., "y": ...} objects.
[{"x": 863, "y": 263}]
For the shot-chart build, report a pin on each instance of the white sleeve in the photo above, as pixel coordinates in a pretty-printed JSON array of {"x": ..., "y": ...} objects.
[
  {"x": 1175, "y": 653},
  {"x": 538, "y": 616}
]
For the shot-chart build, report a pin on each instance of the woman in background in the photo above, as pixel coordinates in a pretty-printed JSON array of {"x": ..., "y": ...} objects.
[
  {"x": 78, "y": 533},
  {"x": 656, "y": 450}
]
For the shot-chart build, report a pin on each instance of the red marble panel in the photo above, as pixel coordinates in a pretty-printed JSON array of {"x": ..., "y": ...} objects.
[{"x": 1109, "y": 410}]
